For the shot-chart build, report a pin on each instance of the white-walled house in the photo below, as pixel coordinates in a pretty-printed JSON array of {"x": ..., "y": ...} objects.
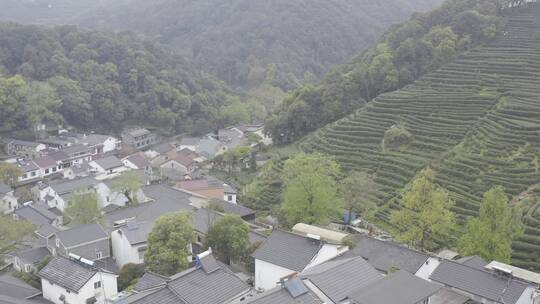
[
  {"x": 129, "y": 243},
  {"x": 8, "y": 201},
  {"x": 109, "y": 166},
  {"x": 284, "y": 253},
  {"x": 58, "y": 194},
  {"x": 66, "y": 280},
  {"x": 48, "y": 166}
]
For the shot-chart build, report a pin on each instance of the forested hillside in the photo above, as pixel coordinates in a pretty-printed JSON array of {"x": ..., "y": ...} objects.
[
  {"x": 96, "y": 80},
  {"x": 259, "y": 43},
  {"x": 402, "y": 55},
  {"x": 475, "y": 121}
]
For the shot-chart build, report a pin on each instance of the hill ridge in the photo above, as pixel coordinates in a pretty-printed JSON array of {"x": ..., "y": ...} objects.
[{"x": 476, "y": 121}]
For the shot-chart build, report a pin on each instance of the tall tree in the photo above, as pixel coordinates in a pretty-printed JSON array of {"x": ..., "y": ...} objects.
[
  {"x": 9, "y": 174},
  {"x": 426, "y": 216},
  {"x": 310, "y": 194},
  {"x": 129, "y": 183},
  {"x": 83, "y": 208},
  {"x": 169, "y": 244},
  {"x": 13, "y": 231},
  {"x": 490, "y": 235},
  {"x": 356, "y": 190},
  {"x": 229, "y": 238}
]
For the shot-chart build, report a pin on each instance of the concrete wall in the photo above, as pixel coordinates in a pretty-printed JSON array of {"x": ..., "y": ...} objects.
[
  {"x": 123, "y": 252},
  {"x": 267, "y": 275},
  {"x": 108, "y": 290}
]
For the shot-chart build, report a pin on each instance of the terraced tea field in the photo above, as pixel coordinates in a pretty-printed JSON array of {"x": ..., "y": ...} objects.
[{"x": 476, "y": 121}]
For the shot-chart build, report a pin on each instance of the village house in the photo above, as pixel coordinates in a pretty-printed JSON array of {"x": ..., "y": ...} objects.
[
  {"x": 284, "y": 253},
  {"x": 8, "y": 201},
  {"x": 48, "y": 166},
  {"x": 96, "y": 143},
  {"x": 72, "y": 280},
  {"x": 138, "y": 161},
  {"x": 190, "y": 143},
  {"x": 45, "y": 220},
  {"x": 25, "y": 149},
  {"x": 211, "y": 188},
  {"x": 107, "y": 167},
  {"x": 29, "y": 172},
  {"x": 139, "y": 138},
  {"x": 87, "y": 241},
  {"x": 78, "y": 170},
  {"x": 177, "y": 166},
  {"x": 57, "y": 194},
  {"x": 209, "y": 281},
  {"x": 29, "y": 259},
  {"x": 129, "y": 243}
]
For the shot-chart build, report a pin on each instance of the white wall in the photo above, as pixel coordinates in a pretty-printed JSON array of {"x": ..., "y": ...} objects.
[
  {"x": 106, "y": 196},
  {"x": 5, "y": 202},
  {"x": 233, "y": 198},
  {"x": 110, "y": 144},
  {"x": 427, "y": 268},
  {"x": 527, "y": 297},
  {"x": 267, "y": 275},
  {"x": 57, "y": 202},
  {"x": 327, "y": 253},
  {"x": 108, "y": 290},
  {"x": 123, "y": 252}
]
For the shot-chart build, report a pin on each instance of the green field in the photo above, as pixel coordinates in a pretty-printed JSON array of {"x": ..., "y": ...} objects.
[{"x": 476, "y": 121}]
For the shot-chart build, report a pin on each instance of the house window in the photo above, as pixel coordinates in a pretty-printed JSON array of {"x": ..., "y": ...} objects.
[
  {"x": 57, "y": 242},
  {"x": 24, "y": 176},
  {"x": 54, "y": 169},
  {"x": 229, "y": 198},
  {"x": 97, "y": 284},
  {"x": 34, "y": 173},
  {"x": 99, "y": 255},
  {"x": 108, "y": 199},
  {"x": 46, "y": 171},
  {"x": 91, "y": 300},
  {"x": 27, "y": 267}
]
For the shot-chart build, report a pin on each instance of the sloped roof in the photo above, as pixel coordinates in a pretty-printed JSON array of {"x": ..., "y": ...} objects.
[
  {"x": 65, "y": 187},
  {"x": 337, "y": 279},
  {"x": 387, "y": 255},
  {"x": 473, "y": 261},
  {"x": 109, "y": 162},
  {"x": 282, "y": 296},
  {"x": 150, "y": 280},
  {"x": 288, "y": 250},
  {"x": 478, "y": 282},
  {"x": 33, "y": 216},
  {"x": 181, "y": 159},
  {"x": 137, "y": 232},
  {"x": 4, "y": 189},
  {"x": 400, "y": 287},
  {"x": 204, "y": 218},
  {"x": 189, "y": 141},
  {"x": 46, "y": 161},
  {"x": 27, "y": 166},
  {"x": 67, "y": 274},
  {"x": 138, "y": 132},
  {"x": 81, "y": 234},
  {"x": 200, "y": 287},
  {"x": 94, "y": 139},
  {"x": 33, "y": 255},
  {"x": 231, "y": 208},
  {"x": 15, "y": 288},
  {"x": 517, "y": 272},
  {"x": 138, "y": 159}
]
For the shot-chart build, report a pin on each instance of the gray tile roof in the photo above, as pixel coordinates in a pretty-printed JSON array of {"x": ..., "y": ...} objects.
[
  {"x": 67, "y": 274},
  {"x": 478, "y": 282},
  {"x": 256, "y": 237},
  {"x": 190, "y": 141},
  {"x": 337, "y": 279},
  {"x": 397, "y": 288},
  {"x": 199, "y": 287},
  {"x": 4, "y": 189},
  {"x": 194, "y": 286},
  {"x": 139, "y": 160},
  {"x": 15, "y": 288},
  {"x": 235, "y": 208},
  {"x": 208, "y": 147},
  {"x": 282, "y": 296},
  {"x": 473, "y": 261},
  {"x": 34, "y": 255},
  {"x": 27, "y": 166},
  {"x": 137, "y": 232},
  {"x": 150, "y": 280},
  {"x": 81, "y": 234},
  {"x": 46, "y": 230},
  {"x": 387, "y": 255},
  {"x": 109, "y": 162},
  {"x": 139, "y": 132},
  {"x": 33, "y": 216},
  {"x": 94, "y": 139},
  {"x": 165, "y": 200},
  {"x": 76, "y": 149},
  {"x": 288, "y": 250},
  {"x": 66, "y": 187},
  {"x": 204, "y": 218},
  {"x": 11, "y": 300}
]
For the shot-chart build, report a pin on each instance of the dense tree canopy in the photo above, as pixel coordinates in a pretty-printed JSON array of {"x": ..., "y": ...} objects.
[
  {"x": 426, "y": 216},
  {"x": 96, "y": 80},
  {"x": 402, "y": 55},
  {"x": 169, "y": 244},
  {"x": 229, "y": 238},
  {"x": 310, "y": 194},
  {"x": 83, "y": 209},
  {"x": 492, "y": 233}
]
